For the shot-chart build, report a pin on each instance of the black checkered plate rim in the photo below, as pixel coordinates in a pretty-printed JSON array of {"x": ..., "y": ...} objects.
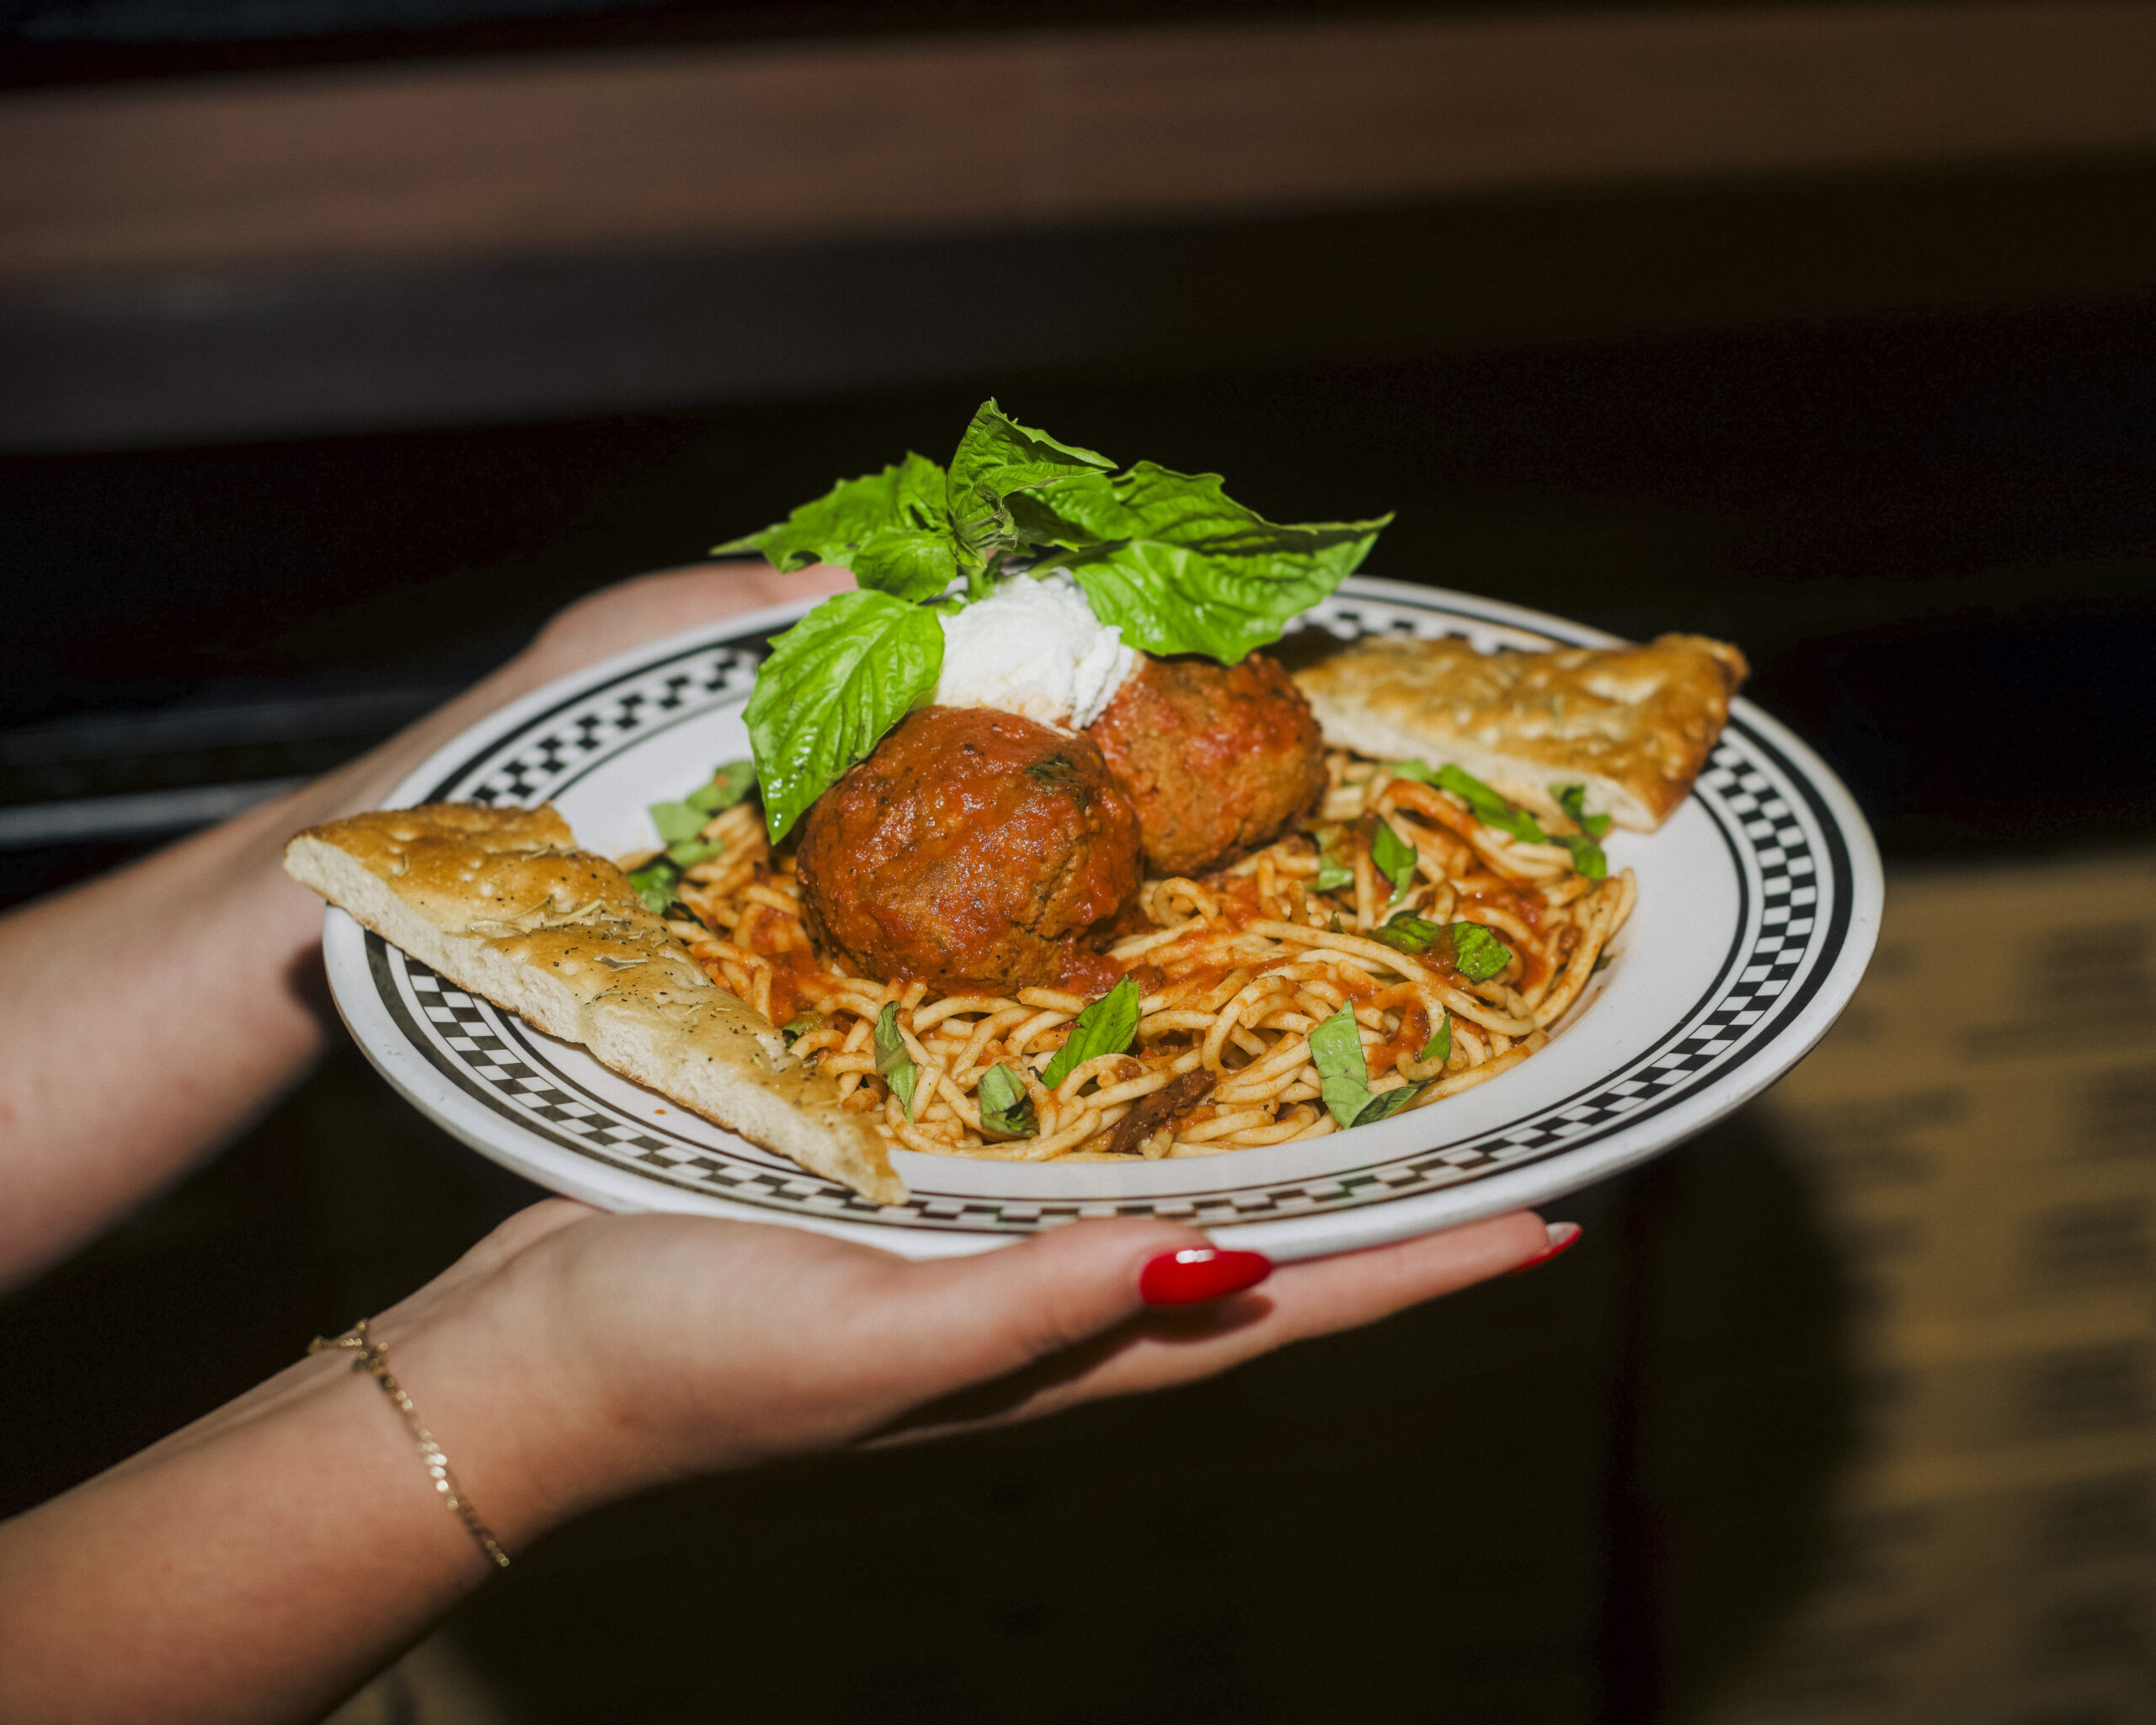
[{"x": 1805, "y": 886}]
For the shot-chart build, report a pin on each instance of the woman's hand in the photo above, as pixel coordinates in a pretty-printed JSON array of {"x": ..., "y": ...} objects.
[
  {"x": 107, "y": 1093},
  {"x": 573, "y": 1355}
]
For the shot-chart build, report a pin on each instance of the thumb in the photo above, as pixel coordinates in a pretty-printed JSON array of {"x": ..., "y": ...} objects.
[{"x": 959, "y": 1320}]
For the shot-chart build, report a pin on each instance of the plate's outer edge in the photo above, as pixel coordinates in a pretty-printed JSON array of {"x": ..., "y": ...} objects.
[{"x": 370, "y": 1001}]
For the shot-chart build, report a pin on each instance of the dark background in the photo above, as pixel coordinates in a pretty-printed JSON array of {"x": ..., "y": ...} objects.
[{"x": 1585, "y": 1495}]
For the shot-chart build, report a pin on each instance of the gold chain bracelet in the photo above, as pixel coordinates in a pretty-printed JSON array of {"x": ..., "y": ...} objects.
[{"x": 373, "y": 1356}]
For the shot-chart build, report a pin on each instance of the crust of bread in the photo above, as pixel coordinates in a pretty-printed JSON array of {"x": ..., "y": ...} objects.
[
  {"x": 1634, "y": 724},
  {"x": 501, "y": 903}
]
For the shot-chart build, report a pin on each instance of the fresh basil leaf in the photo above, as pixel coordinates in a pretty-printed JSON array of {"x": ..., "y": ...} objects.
[
  {"x": 1181, "y": 566},
  {"x": 654, "y": 884},
  {"x": 1392, "y": 857},
  {"x": 727, "y": 785},
  {"x": 1409, "y": 933},
  {"x": 677, "y": 820},
  {"x": 1476, "y": 953},
  {"x": 1587, "y": 856},
  {"x": 1439, "y": 1046},
  {"x": 796, "y": 1029},
  {"x": 835, "y": 683},
  {"x": 1332, "y": 874},
  {"x": 893, "y": 1062},
  {"x": 1573, "y": 800},
  {"x": 1386, "y": 1102},
  {"x": 1004, "y": 1106},
  {"x": 997, "y": 457},
  {"x": 1343, "y": 1076},
  {"x": 883, "y": 527},
  {"x": 1602, "y": 960},
  {"x": 1104, "y": 1028},
  {"x": 686, "y": 853},
  {"x": 908, "y": 563},
  {"x": 1489, "y": 808}
]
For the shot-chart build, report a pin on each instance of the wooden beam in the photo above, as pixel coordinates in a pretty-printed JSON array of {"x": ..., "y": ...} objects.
[{"x": 957, "y": 135}]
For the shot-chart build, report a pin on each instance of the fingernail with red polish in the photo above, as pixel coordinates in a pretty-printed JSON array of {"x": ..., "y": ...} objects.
[
  {"x": 1562, "y": 1235},
  {"x": 1200, "y": 1273}
]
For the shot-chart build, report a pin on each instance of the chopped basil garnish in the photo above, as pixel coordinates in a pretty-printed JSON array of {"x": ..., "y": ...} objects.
[
  {"x": 654, "y": 884},
  {"x": 1483, "y": 803},
  {"x": 1409, "y": 933},
  {"x": 1392, "y": 857},
  {"x": 1104, "y": 1028},
  {"x": 1476, "y": 953},
  {"x": 800, "y": 1026},
  {"x": 1439, "y": 1046},
  {"x": 1587, "y": 856},
  {"x": 1004, "y": 1106},
  {"x": 1332, "y": 874},
  {"x": 680, "y": 824},
  {"x": 1387, "y": 1101},
  {"x": 1344, "y": 1077},
  {"x": 893, "y": 1062},
  {"x": 1573, "y": 800},
  {"x": 677, "y": 821}
]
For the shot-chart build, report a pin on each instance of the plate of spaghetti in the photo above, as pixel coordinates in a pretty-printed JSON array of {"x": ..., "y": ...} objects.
[{"x": 1393, "y": 1002}]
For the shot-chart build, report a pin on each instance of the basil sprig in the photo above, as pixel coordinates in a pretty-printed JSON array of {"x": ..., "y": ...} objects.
[
  {"x": 893, "y": 1063},
  {"x": 1104, "y": 1028},
  {"x": 1344, "y": 1077},
  {"x": 1004, "y": 1106},
  {"x": 834, "y": 684},
  {"x": 1168, "y": 557},
  {"x": 889, "y": 528}
]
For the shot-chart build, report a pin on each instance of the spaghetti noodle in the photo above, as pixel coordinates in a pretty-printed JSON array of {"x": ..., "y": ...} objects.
[{"x": 1235, "y": 971}]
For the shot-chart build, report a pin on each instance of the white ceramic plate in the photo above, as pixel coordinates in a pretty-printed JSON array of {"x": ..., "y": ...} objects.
[{"x": 1759, "y": 905}]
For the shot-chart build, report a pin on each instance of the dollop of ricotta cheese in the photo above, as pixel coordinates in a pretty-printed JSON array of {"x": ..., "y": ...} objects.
[{"x": 1034, "y": 648}]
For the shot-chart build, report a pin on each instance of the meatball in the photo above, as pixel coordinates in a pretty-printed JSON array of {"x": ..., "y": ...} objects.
[
  {"x": 973, "y": 849},
  {"x": 1218, "y": 758}
]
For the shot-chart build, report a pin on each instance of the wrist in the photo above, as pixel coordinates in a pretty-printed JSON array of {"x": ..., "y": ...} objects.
[{"x": 526, "y": 1420}]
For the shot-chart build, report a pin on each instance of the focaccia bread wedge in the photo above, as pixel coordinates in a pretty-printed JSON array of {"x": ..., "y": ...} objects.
[
  {"x": 1634, "y": 724},
  {"x": 501, "y": 903}
]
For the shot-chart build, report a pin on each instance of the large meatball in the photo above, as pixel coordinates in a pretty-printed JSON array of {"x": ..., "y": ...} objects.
[
  {"x": 973, "y": 849},
  {"x": 1218, "y": 758}
]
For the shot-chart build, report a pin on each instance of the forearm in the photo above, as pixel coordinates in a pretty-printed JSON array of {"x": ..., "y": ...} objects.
[
  {"x": 149, "y": 1014},
  {"x": 265, "y": 1561}
]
